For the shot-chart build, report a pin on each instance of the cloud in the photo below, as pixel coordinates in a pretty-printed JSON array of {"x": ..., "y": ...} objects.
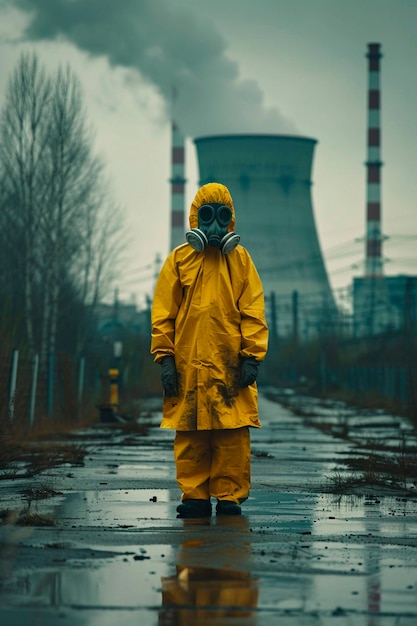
[{"x": 172, "y": 48}]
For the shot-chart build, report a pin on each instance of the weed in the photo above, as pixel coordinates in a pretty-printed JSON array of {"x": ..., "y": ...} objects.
[
  {"x": 40, "y": 493},
  {"x": 37, "y": 457},
  {"x": 27, "y": 518},
  {"x": 341, "y": 483},
  {"x": 374, "y": 469}
]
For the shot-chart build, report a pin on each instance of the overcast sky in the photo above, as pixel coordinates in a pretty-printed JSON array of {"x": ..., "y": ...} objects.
[{"x": 276, "y": 66}]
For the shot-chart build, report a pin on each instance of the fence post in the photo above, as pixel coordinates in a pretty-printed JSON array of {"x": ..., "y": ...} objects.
[
  {"x": 323, "y": 372},
  {"x": 51, "y": 382},
  {"x": 274, "y": 320},
  {"x": 295, "y": 316},
  {"x": 13, "y": 379},
  {"x": 81, "y": 380},
  {"x": 33, "y": 390}
]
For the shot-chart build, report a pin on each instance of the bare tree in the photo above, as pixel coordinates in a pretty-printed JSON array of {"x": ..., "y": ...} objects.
[
  {"x": 55, "y": 200},
  {"x": 72, "y": 175},
  {"x": 24, "y": 138}
]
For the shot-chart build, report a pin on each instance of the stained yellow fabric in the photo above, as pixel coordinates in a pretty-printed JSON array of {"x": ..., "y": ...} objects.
[
  {"x": 208, "y": 311},
  {"x": 213, "y": 464}
]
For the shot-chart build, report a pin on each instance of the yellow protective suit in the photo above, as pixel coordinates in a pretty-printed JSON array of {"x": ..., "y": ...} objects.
[
  {"x": 208, "y": 312},
  {"x": 214, "y": 463}
]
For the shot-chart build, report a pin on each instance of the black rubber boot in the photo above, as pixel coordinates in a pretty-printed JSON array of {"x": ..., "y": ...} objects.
[
  {"x": 194, "y": 508},
  {"x": 226, "y": 507}
]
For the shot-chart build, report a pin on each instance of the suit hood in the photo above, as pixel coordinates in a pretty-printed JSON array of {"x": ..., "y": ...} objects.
[{"x": 211, "y": 192}]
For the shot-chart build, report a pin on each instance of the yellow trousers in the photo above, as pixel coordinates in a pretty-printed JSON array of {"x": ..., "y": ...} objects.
[{"x": 213, "y": 463}]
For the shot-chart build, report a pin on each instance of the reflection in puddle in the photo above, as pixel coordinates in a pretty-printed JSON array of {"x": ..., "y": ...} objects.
[
  {"x": 195, "y": 595},
  {"x": 212, "y": 584}
]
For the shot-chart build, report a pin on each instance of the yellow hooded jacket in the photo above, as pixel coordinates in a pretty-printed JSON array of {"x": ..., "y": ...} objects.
[{"x": 208, "y": 312}]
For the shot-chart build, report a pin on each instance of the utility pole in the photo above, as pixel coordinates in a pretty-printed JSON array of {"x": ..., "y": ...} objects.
[
  {"x": 408, "y": 344},
  {"x": 295, "y": 331},
  {"x": 116, "y": 305},
  {"x": 295, "y": 316}
]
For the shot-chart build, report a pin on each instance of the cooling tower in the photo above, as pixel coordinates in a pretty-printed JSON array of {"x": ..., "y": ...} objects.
[{"x": 269, "y": 177}]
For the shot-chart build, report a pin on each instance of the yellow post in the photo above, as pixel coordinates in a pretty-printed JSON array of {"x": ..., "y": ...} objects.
[{"x": 114, "y": 387}]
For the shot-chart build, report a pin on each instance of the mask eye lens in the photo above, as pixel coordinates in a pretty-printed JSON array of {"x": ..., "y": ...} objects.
[
  {"x": 206, "y": 214},
  {"x": 224, "y": 215}
]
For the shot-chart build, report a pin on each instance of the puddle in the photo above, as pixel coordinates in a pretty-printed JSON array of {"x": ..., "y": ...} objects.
[
  {"x": 191, "y": 594},
  {"x": 130, "y": 470},
  {"x": 197, "y": 596},
  {"x": 219, "y": 574},
  {"x": 374, "y": 517},
  {"x": 116, "y": 508},
  {"x": 204, "y": 580},
  {"x": 133, "y": 581},
  {"x": 386, "y": 593}
]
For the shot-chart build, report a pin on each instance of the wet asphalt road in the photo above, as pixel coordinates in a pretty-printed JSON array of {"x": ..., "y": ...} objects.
[{"x": 298, "y": 555}]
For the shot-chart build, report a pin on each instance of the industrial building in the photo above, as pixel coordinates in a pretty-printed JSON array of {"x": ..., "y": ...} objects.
[
  {"x": 269, "y": 177},
  {"x": 386, "y": 305}
]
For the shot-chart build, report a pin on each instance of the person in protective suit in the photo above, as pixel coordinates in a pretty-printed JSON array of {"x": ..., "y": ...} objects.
[{"x": 209, "y": 334}]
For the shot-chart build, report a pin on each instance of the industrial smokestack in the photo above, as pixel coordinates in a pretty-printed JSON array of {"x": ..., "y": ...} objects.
[
  {"x": 177, "y": 186},
  {"x": 269, "y": 177},
  {"x": 371, "y": 304},
  {"x": 373, "y": 263}
]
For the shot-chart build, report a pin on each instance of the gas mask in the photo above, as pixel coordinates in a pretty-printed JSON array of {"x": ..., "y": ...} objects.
[{"x": 213, "y": 222}]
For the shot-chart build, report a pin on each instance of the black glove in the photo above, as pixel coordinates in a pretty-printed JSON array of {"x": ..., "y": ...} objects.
[
  {"x": 169, "y": 378},
  {"x": 248, "y": 371}
]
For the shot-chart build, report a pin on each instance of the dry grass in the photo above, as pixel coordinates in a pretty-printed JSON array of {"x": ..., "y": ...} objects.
[
  {"x": 40, "y": 492},
  {"x": 396, "y": 468},
  {"x": 394, "y": 472},
  {"x": 375, "y": 463},
  {"x": 34, "y": 457},
  {"x": 27, "y": 518}
]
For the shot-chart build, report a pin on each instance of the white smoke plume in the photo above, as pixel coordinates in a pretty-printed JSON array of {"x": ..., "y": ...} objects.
[{"x": 171, "y": 47}]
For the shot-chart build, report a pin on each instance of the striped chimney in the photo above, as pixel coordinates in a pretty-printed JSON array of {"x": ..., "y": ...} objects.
[
  {"x": 177, "y": 187},
  {"x": 373, "y": 265}
]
